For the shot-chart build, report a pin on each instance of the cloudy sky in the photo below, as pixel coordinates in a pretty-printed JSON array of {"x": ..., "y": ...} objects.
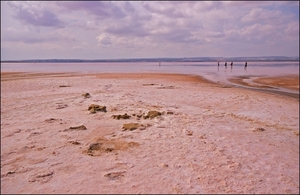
[{"x": 148, "y": 29}]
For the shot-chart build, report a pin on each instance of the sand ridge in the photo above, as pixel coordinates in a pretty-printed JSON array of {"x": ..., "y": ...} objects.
[{"x": 208, "y": 138}]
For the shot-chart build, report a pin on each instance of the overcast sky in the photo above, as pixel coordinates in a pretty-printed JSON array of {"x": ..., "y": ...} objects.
[{"x": 148, "y": 29}]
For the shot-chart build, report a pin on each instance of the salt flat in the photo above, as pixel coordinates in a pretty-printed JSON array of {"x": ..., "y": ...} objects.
[{"x": 208, "y": 138}]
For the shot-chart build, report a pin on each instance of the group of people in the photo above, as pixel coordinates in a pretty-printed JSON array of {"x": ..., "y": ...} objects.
[{"x": 231, "y": 64}]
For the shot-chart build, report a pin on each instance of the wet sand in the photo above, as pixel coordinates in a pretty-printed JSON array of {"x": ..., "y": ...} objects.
[
  {"x": 287, "y": 85},
  {"x": 200, "y": 138},
  {"x": 290, "y": 82}
]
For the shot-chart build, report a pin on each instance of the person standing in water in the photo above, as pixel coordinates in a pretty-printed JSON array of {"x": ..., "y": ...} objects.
[
  {"x": 226, "y": 64},
  {"x": 231, "y": 64},
  {"x": 245, "y": 66}
]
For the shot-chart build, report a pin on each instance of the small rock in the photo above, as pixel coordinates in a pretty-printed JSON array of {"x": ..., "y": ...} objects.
[
  {"x": 95, "y": 146},
  {"x": 61, "y": 106},
  {"x": 50, "y": 120},
  {"x": 164, "y": 165},
  {"x": 130, "y": 126},
  {"x": 142, "y": 127},
  {"x": 115, "y": 175},
  {"x": 166, "y": 87},
  {"x": 74, "y": 142},
  {"x": 189, "y": 132},
  {"x": 258, "y": 129},
  {"x": 139, "y": 116},
  {"x": 86, "y": 95},
  {"x": 81, "y": 127},
  {"x": 10, "y": 172}
]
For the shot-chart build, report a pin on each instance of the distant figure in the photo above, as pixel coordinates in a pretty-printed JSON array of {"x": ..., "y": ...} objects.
[
  {"x": 231, "y": 64},
  {"x": 218, "y": 63},
  {"x": 226, "y": 64},
  {"x": 246, "y": 65}
]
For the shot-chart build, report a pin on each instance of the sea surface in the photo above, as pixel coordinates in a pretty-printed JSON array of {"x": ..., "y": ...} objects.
[{"x": 209, "y": 70}]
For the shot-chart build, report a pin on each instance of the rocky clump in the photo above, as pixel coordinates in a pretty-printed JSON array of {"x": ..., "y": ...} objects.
[
  {"x": 152, "y": 114},
  {"x": 103, "y": 145},
  {"x": 119, "y": 116},
  {"x": 93, "y": 108}
]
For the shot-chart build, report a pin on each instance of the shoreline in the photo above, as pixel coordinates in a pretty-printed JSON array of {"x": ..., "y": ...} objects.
[
  {"x": 155, "y": 133},
  {"x": 288, "y": 84}
]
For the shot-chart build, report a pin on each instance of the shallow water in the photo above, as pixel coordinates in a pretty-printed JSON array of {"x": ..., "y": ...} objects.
[
  {"x": 209, "y": 70},
  {"x": 254, "y": 68}
]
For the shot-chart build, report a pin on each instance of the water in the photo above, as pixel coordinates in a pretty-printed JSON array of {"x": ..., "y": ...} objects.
[
  {"x": 254, "y": 68},
  {"x": 209, "y": 70}
]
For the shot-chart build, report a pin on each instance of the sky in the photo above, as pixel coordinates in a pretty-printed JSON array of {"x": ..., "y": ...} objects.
[{"x": 148, "y": 29}]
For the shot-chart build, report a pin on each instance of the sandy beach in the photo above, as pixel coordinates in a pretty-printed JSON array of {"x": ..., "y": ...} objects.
[{"x": 143, "y": 133}]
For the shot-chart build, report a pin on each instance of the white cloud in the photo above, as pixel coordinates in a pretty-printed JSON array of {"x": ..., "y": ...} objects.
[
  {"x": 104, "y": 39},
  {"x": 134, "y": 29}
]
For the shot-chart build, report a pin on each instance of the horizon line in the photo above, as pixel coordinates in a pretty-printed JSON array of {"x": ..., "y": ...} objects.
[{"x": 150, "y": 58}]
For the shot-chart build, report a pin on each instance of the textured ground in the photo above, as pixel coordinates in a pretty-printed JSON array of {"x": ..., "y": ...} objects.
[{"x": 209, "y": 138}]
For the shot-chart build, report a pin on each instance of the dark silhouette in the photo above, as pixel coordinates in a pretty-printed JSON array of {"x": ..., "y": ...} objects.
[
  {"x": 218, "y": 63},
  {"x": 231, "y": 64},
  {"x": 226, "y": 64},
  {"x": 246, "y": 65}
]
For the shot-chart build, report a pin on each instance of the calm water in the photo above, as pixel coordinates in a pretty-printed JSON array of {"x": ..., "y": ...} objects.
[
  {"x": 198, "y": 68},
  {"x": 254, "y": 68},
  {"x": 209, "y": 70}
]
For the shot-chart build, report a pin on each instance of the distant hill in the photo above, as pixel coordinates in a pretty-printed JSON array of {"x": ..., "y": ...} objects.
[{"x": 190, "y": 59}]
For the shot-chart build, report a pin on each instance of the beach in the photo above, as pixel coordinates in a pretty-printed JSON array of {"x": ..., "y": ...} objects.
[{"x": 160, "y": 133}]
